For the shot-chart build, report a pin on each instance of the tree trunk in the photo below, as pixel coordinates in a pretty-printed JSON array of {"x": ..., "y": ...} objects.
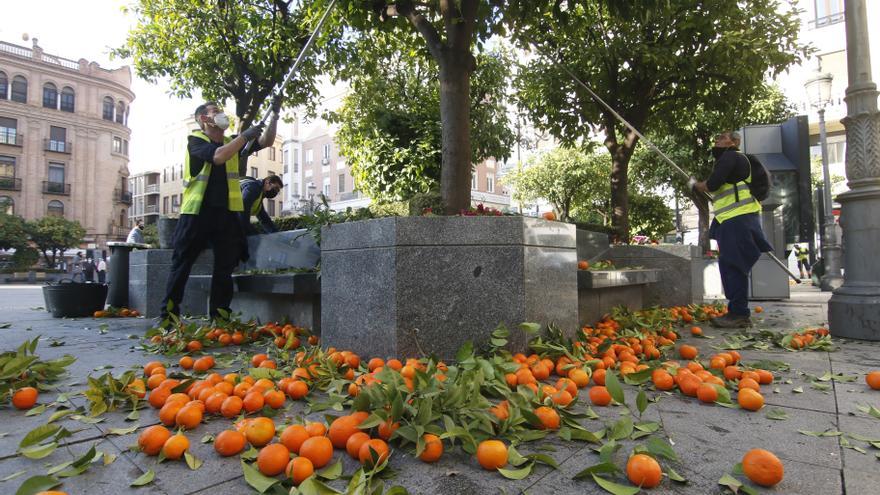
[
  {"x": 621, "y": 152},
  {"x": 703, "y": 224},
  {"x": 455, "y": 172}
]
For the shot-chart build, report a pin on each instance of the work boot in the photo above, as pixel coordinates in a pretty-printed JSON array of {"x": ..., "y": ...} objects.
[{"x": 731, "y": 321}]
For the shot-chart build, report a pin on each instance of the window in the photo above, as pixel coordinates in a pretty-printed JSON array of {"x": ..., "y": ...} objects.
[
  {"x": 7, "y": 205},
  {"x": 107, "y": 114},
  {"x": 7, "y": 168},
  {"x": 175, "y": 204},
  {"x": 55, "y": 208},
  {"x": 342, "y": 183},
  {"x": 165, "y": 175},
  {"x": 828, "y": 12},
  {"x": 57, "y": 139},
  {"x": 473, "y": 181},
  {"x": 326, "y": 189},
  {"x": 490, "y": 183},
  {"x": 285, "y": 169},
  {"x": 173, "y": 173},
  {"x": 836, "y": 152},
  {"x": 117, "y": 145},
  {"x": 50, "y": 96},
  {"x": 271, "y": 209},
  {"x": 254, "y": 172},
  {"x": 19, "y": 89},
  {"x": 125, "y": 147},
  {"x": 310, "y": 157},
  {"x": 295, "y": 167},
  {"x": 285, "y": 158},
  {"x": 120, "y": 112},
  {"x": 4, "y": 86},
  {"x": 272, "y": 153},
  {"x": 165, "y": 205},
  {"x": 8, "y": 131},
  {"x": 325, "y": 153},
  {"x": 68, "y": 99},
  {"x": 56, "y": 173}
]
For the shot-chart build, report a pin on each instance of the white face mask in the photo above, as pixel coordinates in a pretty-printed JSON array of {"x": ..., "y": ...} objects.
[{"x": 221, "y": 121}]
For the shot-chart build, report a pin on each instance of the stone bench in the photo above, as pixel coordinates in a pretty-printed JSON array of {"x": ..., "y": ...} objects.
[
  {"x": 293, "y": 297},
  {"x": 601, "y": 290}
]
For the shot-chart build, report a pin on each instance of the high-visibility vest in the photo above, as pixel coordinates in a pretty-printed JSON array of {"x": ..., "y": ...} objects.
[
  {"x": 733, "y": 200},
  {"x": 803, "y": 254},
  {"x": 194, "y": 187},
  {"x": 255, "y": 208}
]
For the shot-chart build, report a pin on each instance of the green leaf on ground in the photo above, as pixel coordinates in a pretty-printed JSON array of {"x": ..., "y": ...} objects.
[
  {"x": 517, "y": 474},
  {"x": 869, "y": 410},
  {"x": 798, "y": 390},
  {"x": 674, "y": 476},
  {"x": 144, "y": 479},
  {"x": 257, "y": 480},
  {"x": 123, "y": 431},
  {"x": 37, "y": 484},
  {"x": 614, "y": 388},
  {"x": 605, "y": 467},
  {"x": 623, "y": 428},
  {"x": 12, "y": 476},
  {"x": 641, "y": 401},
  {"x": 192, "y": 461},
  {"x": 615, "y": 488},
  {"x": 544, "y": 459},
  {"x": 777, "y": 414},
  {"x": 661, "y": 448},
  {"x": 331, "y": 472},
  {"x": 817, "y": 434}
]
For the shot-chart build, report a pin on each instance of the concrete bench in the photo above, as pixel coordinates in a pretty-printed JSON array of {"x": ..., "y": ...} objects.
[
  {"x": 601, "y": 290},
  {"x": 293, "y": 297}
]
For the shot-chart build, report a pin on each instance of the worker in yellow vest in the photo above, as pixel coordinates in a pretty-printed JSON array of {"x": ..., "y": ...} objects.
[
  {"x": 211, "y": 204},
  {"x": 253, "y": 191},
  {"x": 802, "y": 252},
  {"x": 736, "y": 226}
]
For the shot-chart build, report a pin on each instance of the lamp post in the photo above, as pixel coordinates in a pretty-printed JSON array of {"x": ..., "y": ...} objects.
[{"x": 819, "y": 94}]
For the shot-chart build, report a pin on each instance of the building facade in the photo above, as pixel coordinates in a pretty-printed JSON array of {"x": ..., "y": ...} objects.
[
  {"x": 145, "y": 194},
  {"x": 64, "y": 141},
  {"x": 265, "y": 162}
]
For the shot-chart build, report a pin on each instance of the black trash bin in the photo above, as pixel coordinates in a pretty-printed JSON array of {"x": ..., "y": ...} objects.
[{"x": 70, "y": 299}]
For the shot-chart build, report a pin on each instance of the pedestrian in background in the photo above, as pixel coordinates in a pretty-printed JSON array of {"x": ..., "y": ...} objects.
[{"x": 102, "y": 271}]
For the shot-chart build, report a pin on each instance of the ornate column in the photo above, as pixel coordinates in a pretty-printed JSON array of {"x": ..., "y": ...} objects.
[{"x": 854, "y": 308}]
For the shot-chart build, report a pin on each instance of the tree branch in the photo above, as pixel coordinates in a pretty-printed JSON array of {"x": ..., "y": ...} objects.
[{"x": 423, "y": 26}]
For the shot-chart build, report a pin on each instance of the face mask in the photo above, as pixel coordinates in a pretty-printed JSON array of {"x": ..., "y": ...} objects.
[
  {"x": 717, "y": 151},
  {"x": 271, "y": 193},
  {"x": 221, "y": 121}
]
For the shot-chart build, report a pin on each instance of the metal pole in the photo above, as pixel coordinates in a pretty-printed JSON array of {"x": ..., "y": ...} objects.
[{"x": 832, "y": 278}]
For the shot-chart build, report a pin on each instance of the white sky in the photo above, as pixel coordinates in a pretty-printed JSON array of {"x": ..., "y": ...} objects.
[{"x": 88, "y": 29}]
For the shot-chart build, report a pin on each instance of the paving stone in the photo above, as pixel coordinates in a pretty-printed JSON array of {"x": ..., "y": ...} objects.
[
  {"x": 16, "y": 425},
  {"x": 112, "y": 479},
  {"x": 861, "y": 482},
  {"x": 865, "y": 427}
]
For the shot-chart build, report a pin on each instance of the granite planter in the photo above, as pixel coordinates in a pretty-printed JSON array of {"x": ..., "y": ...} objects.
[
  {"x": 165, "y": 228},
  {"x": 404, "y": 286},
  {"x": 683, "y": 271}
]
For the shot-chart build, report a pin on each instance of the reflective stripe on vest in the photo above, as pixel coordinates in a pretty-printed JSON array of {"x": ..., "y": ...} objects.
[
  {"x": 258, "y": 203},
  {"x": 733, "y": 200},
  {"x": 194, "y": 187}
]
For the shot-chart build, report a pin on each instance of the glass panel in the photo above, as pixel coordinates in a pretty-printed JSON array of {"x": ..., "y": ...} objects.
[
  {"x": 56, "y": 173},
  {"x": 68, "y": 100},
  {"x": 120, "y": 112},
  {"x": 7, "y": 166},
  {"x": 4, "y": 86},
  {"x": 50, "y": 96},
  {"x": 8, "y": 130},
  {"x": 108, "y": 108},
  {"x": 19, "y": 89}
]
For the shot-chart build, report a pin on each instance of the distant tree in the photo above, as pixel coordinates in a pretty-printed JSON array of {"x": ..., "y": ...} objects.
[
  {"x": 567, "y": 178},
  {"x": 12, "y": 231},
  {"x": 151, "y": 234},
  {"x": 54, "y": 235},
  {"x": 657, "y": 62},
  {"x": 393, "y": 143},
  {"x": 650, "y": 216},
  {"x": 25, "y": 257}
]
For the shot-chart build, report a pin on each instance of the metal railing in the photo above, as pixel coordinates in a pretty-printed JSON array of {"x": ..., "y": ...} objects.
[
  {"x": 122, "y": 196},
  {"x": 11, "y": 137},
  {"x": 58, "y": 146},
  {"x": 151, "y": 188},
  {"x": 828, "y": 19},
  {"x": 151, "y": 209},
  {"x": 56, "y": 188},
  {"x": 10, "y": 183}
]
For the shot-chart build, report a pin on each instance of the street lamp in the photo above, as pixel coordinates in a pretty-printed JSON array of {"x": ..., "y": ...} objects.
[{"x": 819, "y": 95}]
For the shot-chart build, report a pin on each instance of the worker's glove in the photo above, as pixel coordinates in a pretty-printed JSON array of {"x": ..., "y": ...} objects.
[
  {"x": 276, "y": 105},
  {"x": 692, "y": 183},
  {"x": 253, "y": 132}
]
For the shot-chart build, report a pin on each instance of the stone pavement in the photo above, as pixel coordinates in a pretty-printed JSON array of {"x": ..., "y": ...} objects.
[{"x": 708, "y": 439}]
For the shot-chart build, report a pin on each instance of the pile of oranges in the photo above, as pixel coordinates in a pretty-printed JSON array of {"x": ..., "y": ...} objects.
[{"x": 112, "y": 312}]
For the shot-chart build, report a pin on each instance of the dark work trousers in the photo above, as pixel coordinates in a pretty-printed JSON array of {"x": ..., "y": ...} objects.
[
  {"x": 219, "y": 228},
  {"x": 740, "y": 243}
]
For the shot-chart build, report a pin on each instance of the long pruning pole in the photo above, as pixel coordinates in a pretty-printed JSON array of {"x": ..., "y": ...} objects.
[
  {"x": 650, "y": 146},
  {"x": 296, "y": 63}
]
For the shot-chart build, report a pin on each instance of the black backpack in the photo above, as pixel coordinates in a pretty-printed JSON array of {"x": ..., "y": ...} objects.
[{"x": 761, "y": 181}]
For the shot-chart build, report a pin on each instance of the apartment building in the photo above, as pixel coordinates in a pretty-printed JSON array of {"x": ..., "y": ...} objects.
[
  {"x": 170, "y": 178},
  {"x": 145, "y": 193},
  {"x": 64, "y": 140}
]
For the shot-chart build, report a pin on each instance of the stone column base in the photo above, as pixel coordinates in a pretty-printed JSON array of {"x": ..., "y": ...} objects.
[{"x": 855, "y": 315}]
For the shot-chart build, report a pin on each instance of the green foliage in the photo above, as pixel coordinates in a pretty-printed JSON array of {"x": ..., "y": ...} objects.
[
  {"x": 567, "y": 178},
  {"x": 393, "y": 142},
  {"x": 24, "y": 368},
  {"x": 649, "y": 215},
  {"x": 224, "y": 49},
  {"x": 12, "y": 231},
  {"x": 25, "y": 257},
  {"x": 54, "y": 235},
  {"x": 664, "y": 62},
  {"x": 151, "y": 234}
]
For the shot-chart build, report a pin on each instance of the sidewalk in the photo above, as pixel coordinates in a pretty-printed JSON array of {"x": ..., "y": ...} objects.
[{"x": 813, "y": 392}]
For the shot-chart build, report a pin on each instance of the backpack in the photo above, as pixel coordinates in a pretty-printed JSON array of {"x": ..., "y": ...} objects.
[{"x": 761, "y": 180}]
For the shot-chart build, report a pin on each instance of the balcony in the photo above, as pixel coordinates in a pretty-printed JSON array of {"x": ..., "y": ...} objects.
[
  {"x": 58, "y": 146},
  {"x": 59, "y": 188},
  {"x": 11, "y": 137},
  {"x": 151, "y": 209},
  {"x": 10, "y": 184},
  {"x": 122, "y": 196},
  {"x": 348, "y": 196},
  {"x": 151, "y": 189}
]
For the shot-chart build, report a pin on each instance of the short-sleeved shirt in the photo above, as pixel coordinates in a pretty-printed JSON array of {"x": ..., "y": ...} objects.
[{"x": 201, "y": 151}]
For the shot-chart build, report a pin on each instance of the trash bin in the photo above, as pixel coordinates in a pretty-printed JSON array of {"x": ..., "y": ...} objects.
[{"x": 70, "y": 299}]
